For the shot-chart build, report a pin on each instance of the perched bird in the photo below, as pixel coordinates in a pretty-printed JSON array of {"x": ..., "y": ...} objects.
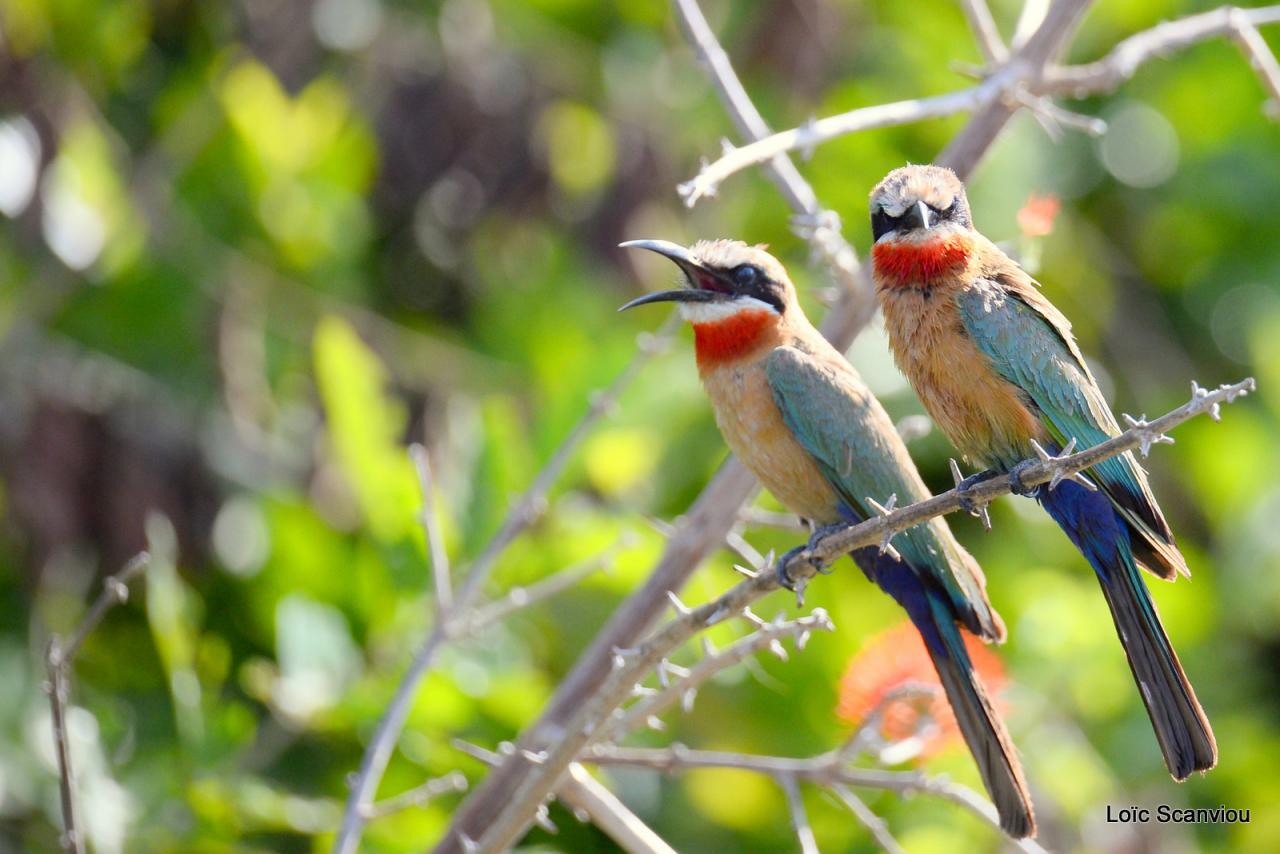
[
  {"x": 997, "y": 367},
  {"x": 798, "y": 415}
]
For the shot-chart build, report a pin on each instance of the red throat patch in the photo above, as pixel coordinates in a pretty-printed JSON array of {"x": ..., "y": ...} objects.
[
  {"x": 733, "y": 337},
  {"x": 919, "y": 263}
]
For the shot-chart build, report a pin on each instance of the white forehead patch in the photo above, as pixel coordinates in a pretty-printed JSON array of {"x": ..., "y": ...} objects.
[{"x": 711, "y": 312}]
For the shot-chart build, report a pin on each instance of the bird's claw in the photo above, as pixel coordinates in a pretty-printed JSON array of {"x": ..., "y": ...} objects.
[
  {"x": 1016, "y": 486},
  {"x": 963, "y": 485}
]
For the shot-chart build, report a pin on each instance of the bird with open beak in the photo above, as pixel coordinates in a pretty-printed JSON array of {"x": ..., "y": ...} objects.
[
  {"x": 798, "y": 415},
  {"x": 997, "y": 367}
]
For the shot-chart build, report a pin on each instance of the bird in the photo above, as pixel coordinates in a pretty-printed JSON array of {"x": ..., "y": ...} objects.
[
  {"x": 998, "y": 369},
  {"x": 799, "y": 416}
]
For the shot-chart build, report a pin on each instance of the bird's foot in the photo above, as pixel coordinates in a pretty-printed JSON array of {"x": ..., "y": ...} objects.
[
  {"x": 802, "y": 554},
  {"x": 963, "y": 486},
  {"x": 1016, "y": 486}
]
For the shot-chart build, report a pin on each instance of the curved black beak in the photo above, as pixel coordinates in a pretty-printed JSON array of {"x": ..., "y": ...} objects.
[
  {"x": 689, "y": 265},
  {"x": 917, "y": 216}
]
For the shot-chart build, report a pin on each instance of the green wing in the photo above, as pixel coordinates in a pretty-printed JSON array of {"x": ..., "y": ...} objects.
[
  {"x": 1029, "y": 343},
  {"x": 850, "y": 437}
]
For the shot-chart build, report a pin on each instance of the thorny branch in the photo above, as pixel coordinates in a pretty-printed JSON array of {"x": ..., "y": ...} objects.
[
  {"x": 523, "y": 514},
  {"x": 684, "y": 689},
  {"x": 58, "y": 660},
  {"x": 591, "y": 801},
  {"x": 1042, "y": 30},
  {"x": 830, "y": 770},
  {"x": 631, "y": 665},
  {"x": 1025, "y": 84}
]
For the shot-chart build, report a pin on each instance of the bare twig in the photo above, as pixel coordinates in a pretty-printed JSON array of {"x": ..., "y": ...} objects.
[
  {"x": 418, "y": 796},
  {"x": 819, "y": 226},
  {"x": 430, "y": 517},
  {"x": 682, "y": 690},
  {"x": 584, "y": 726},
  {"x": 826, "y": 769},
  {"x": 874, "y": 824},
  {"x": 585, "y": 793},
  {"x": 985, "y": 32},
  {"x": 799, "y": 818},
  {"x": 1129, "y": 55},
  {"x": 58, "y": 660},
  {"x": 756, "y": 517},
  {"x": 714, "y": 512},
  {"x": 1020, "y": 83},
  {"x": 592, "y": 801},
  {"x": 526, "y": 510},
  {"x": 520, "y": 598}
]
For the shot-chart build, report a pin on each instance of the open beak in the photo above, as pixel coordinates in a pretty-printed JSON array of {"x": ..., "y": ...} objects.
[
  {"x": 695, "y": 272},
  {"x": 917, "y": 217}
]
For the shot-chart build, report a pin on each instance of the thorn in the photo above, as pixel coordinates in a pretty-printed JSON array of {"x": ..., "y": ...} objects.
[
  {"x": 468, "y": 844},
  {"x": 776, "y": 647},
  {"x": 742, "y": 570},
  {"x": 663, "y": 679},
  {"x": 751, "y": 617},
  {"x": 975, "y": 508},
  {"x": 543, "y": 819},
  {"x": 1146, "y": 437},
  {"x": 678, "y": 670},
  {"x": 800, "y": 586},
  {"x": 1200, "y": 394},
  {"x": 807, "y": 137},
  {"x": 1059, "y": 472},
  {"x": 886, "y": 547},
  {"x": 638, "y": 690},
  {"x": 802, "y": 639},
  {"x": 726, "y": 146},
  {"x": 707, "y": 649},
  {"x": 687, "y": 698},
  {"x": 681, "y": 609},
  {"x": 537, "y": 758},
  {"x": 506, "y": 748},
  {"x": 655, "y": 723}
]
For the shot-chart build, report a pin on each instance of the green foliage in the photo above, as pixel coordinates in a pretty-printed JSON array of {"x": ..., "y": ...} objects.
[{"x": 261, "y": 260}]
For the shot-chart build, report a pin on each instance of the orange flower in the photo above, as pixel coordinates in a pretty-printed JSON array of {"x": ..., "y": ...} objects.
[
  {"x": 1037, "y": 215},
  {"x": 895, "y": 659}
]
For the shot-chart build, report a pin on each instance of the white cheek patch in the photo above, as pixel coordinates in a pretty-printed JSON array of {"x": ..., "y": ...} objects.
[
  {"x": 925, "y": 235},
  {"x": 711, "y": 312}
]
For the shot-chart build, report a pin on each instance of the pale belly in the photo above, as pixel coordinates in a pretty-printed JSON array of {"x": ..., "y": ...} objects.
[
  {"x": 979, "y": 411},
  {"x": 754, "y": 430}
]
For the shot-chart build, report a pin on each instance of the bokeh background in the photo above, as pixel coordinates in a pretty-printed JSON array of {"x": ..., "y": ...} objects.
[{"x": 250, "y": 250}]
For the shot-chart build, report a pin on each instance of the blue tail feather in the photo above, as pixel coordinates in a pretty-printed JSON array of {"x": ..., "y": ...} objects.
[
  {"x": 1100, "y": 533},
  {"x": 983, "y": 730}
]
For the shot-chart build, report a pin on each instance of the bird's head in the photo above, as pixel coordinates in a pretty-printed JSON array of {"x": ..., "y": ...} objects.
[
  {"x": 722, "y": 278},
  {"x": 737, "y": 297},
  {"x": 921, "y": 224}
]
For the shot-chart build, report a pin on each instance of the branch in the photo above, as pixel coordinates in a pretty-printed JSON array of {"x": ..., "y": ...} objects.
[
  {"x": 526, "y": 510},
  {"x": 683, "y": 690},
  {"x": 799, "y": 818},
  {"x": 817, "y": 225},
  {"x": 430, "y": 517},
  {"x": 418, "y": 796},
  {"x": 985, "y": 32},
  {"x": 803, "y": 564},
  {"x": 590, "y": 800},
  {"x": 58, "y": 661},
  {"x": 826, "y": 769},
  {"x": 874, "y": 824},
  {"x": 714, "y": 512},
  {"x": 1017, "y": 83},
  {"x": 1128, "y": 56}
]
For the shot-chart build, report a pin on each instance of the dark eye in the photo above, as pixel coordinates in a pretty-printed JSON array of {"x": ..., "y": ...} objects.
[{"x": 746, "y": 275}]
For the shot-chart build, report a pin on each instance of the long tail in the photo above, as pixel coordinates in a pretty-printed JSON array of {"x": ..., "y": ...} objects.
[
  {"x": 980, "y": 724},
  {"x": 1181, "y": 727}
]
